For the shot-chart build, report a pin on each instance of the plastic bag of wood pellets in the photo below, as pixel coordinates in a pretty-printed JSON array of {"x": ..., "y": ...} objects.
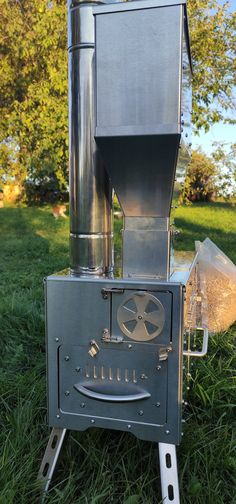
[{"x": 219, "y": 279}]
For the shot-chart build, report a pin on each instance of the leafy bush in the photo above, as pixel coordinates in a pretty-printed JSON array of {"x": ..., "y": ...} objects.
[
  {"x": 201, "y": 179},
  {"x": 44, "y": 191}
]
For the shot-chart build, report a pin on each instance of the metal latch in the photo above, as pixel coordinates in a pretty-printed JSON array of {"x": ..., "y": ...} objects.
[
  {"x": 107, "y": 338},
  {"x": 112, "y": 290},
  {"x": 94, "y": 348},
  {"x": 163, "y": 353}
]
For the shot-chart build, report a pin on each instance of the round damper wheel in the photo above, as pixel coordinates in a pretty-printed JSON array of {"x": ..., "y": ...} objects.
[{"x": 141, "y": 317}]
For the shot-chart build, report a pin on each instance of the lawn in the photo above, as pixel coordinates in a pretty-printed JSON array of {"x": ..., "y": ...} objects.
[{"x": 104, "y": 466}]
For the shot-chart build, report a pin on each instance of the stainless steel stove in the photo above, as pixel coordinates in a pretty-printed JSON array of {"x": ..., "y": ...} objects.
[{"x": 115, "y": 345}]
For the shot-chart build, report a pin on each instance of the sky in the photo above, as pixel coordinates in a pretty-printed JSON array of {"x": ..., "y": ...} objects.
[{"x": 218, "y": 133}]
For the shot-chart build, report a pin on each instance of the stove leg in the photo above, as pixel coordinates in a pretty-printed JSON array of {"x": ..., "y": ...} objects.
[
  {"x": 169, "y": 473},
  {"x": 50, "y": 457}
]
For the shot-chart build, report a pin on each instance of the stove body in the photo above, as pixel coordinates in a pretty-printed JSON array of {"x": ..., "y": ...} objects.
[
  {"x": 115, "y": 356},
  {"x": 114, "y": 346}
]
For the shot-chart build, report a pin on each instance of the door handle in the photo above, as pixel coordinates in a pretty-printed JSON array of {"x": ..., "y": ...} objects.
[{"x": 111, "y": 397}]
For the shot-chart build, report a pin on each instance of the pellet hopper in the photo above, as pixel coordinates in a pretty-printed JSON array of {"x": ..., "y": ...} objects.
[{"x": 115, "y": 345}]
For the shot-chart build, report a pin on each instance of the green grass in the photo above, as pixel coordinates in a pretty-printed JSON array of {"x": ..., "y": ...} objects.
[{"x": 101, "y": 466}]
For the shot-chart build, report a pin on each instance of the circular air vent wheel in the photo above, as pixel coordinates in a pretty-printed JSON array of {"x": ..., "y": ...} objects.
[{"x": 141, "y": 317}]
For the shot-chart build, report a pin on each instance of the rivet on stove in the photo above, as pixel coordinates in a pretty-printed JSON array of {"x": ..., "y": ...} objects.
[
  {"x": 67, "y": 358},
  {"x": 56, "y": 339},
  {"x": 92, "y": 421},
  {"x": 77, "y": 369},
  {"x": 129, "y": 346},
  {"x": 67, "y": 393},
  {"x": 158, "y": 405},
  {"x": 167, "y": 432},
  {"x": 58, "y": 416},
  {"x": 158, "y": 368},
  {"x": 128, "y": 426},
  {"x": 140, "y": 412},
  {"x": 82, "y": 405}
]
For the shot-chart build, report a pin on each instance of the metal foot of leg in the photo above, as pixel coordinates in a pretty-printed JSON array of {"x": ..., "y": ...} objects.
[
  {"x": 169, "y": 473},
  {"x": 50, "y": 458}
]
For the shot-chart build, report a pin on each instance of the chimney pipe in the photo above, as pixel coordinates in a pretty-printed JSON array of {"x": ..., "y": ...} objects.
[{"x": 90, "y": 188}]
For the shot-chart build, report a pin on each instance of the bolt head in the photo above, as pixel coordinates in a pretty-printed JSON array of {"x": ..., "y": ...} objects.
[
  {"x": 158, "y": 405},
  {"x": 57, "y": 339},
  {"x": 158, "y": 368},
  {"x": 92, "y": 421},
  {"x": 82, "y": 405},
  {"x": 78, "y": 369},
  {"x": 67, "y": 358},
  {"x": 167, "y": 432},
  {"x": 67, "y": 393},
  {"x": 140, "y": 412},
  {"x": 129, "y": 346}
]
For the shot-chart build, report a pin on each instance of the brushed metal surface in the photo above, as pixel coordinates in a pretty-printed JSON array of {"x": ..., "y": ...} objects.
[
  {"x": 141, "y": 316},
  {"x": 136, "y": 5},
  {"x": 151, "y": 389},
  {"x": 50, "y": 458},
  {"x": 77, "y": 313},
  {"x": 80, "y": 25},
  {"x": 146, "y": 247},
  {"x": 111, "y": 392},
  {"x": 142, "y": 170},
  {"x": 141, "y": 85},
  {"x": 135, "y": 86},
  {"x": 90, "y": 189},
  {"x": 146, "y": 254}
]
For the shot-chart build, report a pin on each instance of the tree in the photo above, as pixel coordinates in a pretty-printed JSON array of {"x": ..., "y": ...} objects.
[
  {"x": 33, "y": 76},
  {"x": 224, "y": 157},
  {"x": 34, "y": 91},
  {"x": 201, "y": 179},
  {"x": 213, "y": 47}
]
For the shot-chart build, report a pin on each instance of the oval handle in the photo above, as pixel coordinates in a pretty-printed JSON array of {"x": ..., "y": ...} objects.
[{"x": 111, "y": 397}]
